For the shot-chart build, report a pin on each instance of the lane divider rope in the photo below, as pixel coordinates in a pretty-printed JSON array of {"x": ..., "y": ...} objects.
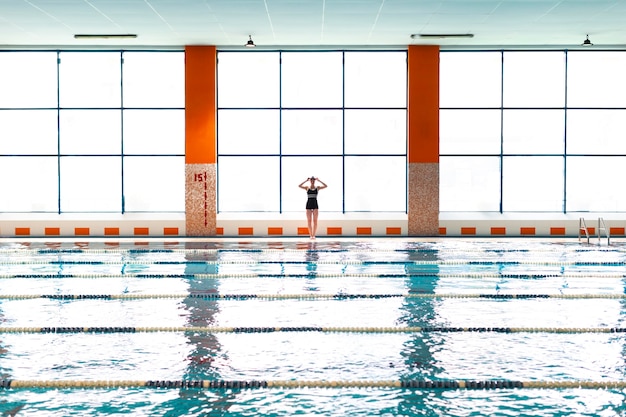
[
  {"x": 299, "y": 329},
  {"x": 313, "y": 296},
  {"x": 442, "y": 262},
  {"x": 308, "y": 249},
  {"x": 292, "y": 384},
  {"x": 313, "y": 274}
]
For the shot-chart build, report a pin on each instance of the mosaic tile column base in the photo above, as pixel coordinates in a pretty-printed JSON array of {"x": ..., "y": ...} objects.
[
  {"x": 200, "y": 199},
  {"x": 423, "y": 199}
]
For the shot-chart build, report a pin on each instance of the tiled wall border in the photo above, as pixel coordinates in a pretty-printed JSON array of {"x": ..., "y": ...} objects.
[{"x": 295, "y": 226}]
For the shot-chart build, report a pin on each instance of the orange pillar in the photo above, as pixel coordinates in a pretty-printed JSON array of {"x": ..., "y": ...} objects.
[
  {"x": 423, "y": 140},
  {"x": 200, "y": 141}
]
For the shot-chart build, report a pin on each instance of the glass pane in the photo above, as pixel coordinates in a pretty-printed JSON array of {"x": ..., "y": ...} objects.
[
  {"x": 297, "y": 169},
  {"x": 33, "y": 186},
  {"x": 248, "y": 79},
  {"x": 384, "y": 190},
  {"x": 534, "y": 131},
  {"x": 90, "y": 79},
  {"x": 312, "y": 79},
  {"x": 248, "y": 183},
  {"x": 29, "y": 79},
  {"x": 596, "y": 131},
  {"x": 596, "y": 79},
  {"x": 534, "y": 79},
  {"x": 376, "y": 79},
  {"x": 375, "y": 131},
  {"x": 532, "y": 183},
  {"x": 91, "y": 184},
  {"x": 90, "y": 132},
  {"x": 312, "y": 132},
  {"x": 469, "y": 132},
  {"x": 470, "y": 79},
  {"x": 28, "y": 132},
  {"x": 154, "y": 183},
  {"x": 587, "y": 185},
  {"x": 469, "y": 183},
  {"x": 248, "y": 132},
  {"x": 154, "y": 132},
  {"x": 154, "y": 79}
]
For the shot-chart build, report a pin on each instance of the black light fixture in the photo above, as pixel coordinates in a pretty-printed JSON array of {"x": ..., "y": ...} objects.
[
  {"x": 587, "y": 42},
  {"x": 250, "y": 43},
  {"x": 105, "y": 36},
  {"x": 441, "y": 35}
]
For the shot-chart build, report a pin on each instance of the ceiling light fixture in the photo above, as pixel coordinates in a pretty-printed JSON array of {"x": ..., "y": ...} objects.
[
  {"x": 250, "y": 43},
  {"x": 106, "y": 36},
  {"x": 441, "y": 35},
  {"x": 587, "y": 42}
]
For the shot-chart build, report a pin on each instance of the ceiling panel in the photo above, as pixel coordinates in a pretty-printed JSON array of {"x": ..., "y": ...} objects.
[{"x": 329, "y": 23}]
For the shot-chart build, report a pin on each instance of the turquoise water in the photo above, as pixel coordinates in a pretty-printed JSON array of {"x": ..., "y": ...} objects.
[{"x": 308, "y": 312}]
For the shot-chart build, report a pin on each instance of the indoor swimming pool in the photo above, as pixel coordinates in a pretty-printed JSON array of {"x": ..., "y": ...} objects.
[{"x": 332, "y": 327}]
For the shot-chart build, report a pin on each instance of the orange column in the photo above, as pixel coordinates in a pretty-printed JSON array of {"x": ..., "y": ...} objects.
[
  {"x": 423, "y": 140},
  {"x": 200, "y": 140}
]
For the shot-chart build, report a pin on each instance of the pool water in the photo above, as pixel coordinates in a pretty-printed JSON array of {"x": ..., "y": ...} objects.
[{"x": 333, "y": 327}]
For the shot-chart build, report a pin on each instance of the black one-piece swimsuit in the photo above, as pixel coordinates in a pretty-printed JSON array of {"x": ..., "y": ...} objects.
[{"x": 311, "y": 202}]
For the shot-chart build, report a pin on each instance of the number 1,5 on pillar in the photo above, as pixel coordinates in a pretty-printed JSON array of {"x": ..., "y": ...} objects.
[{"x": 200, "y": 177}]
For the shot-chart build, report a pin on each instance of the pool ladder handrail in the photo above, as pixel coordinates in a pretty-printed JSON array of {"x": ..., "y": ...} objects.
[
  {"x": 582, "y": 227},
  {"x": 601, "y": 227}
]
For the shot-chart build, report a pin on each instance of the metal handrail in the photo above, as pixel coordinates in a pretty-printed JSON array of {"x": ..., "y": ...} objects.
[
  {"x": 602, "y": 226},
  {"x": 582, "y": 226}
]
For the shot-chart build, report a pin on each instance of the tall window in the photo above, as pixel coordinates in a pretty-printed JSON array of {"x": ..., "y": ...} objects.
[
  {"x": 28, "y": 132},
  {"x": 525, "y": 131},
  {"x": 92, "y": 131},
  {"x": 337, "y": 115}
]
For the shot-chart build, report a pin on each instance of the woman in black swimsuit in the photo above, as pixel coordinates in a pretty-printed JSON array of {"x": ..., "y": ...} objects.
[{"x": 311, "y": 203}]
